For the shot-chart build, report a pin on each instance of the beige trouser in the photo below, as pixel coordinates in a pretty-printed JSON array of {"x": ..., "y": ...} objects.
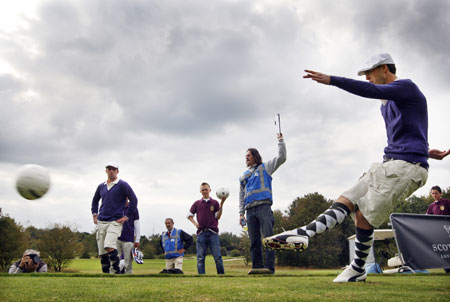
[
  {"x": 107, "y": 234},
  {"x": 126, "y": 247},
  {"x": 384, "y": 184},
  {"x": 175, "y": 263}
]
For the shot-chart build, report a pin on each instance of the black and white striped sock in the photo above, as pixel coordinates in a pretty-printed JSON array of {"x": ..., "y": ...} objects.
[
  {"x": 363, "y": 243},
  {"x": 327, "y": 220},
  {"x": 114, "y": 261},
  {"x": 104, "y": 260}
]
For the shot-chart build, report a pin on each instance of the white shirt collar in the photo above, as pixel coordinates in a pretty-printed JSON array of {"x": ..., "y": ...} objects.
[{"x": 114, "y": 182}]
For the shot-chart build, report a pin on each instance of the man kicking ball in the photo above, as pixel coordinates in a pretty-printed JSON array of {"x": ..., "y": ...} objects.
[{"x": 404, "y": 168}]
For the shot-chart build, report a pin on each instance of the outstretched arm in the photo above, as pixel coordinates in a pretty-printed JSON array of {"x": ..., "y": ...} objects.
[
  {"x": 437, "y": 154},
  {"x": 273, "y": 164}
]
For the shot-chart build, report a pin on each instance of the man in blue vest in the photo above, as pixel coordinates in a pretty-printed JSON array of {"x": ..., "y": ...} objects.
[
  {"x": 174, "y": 243},
  {"x": 255, "y": 197}
]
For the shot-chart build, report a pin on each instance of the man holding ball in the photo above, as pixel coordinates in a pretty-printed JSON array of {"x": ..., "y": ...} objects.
[{"x": 208, "y": 213}]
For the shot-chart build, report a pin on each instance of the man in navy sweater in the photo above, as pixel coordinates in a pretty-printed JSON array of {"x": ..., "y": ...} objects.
[
  {"x": 114, "y": 193},
  {"x": 404, "y": 168}
]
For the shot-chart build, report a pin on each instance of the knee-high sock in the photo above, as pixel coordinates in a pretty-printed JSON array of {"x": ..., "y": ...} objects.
[
  {"x": 115, "y": 261},
  {"x": 363, "y": 243},
  {"x": 104, "y": 260},
  {"x": 327, "y": 220}
]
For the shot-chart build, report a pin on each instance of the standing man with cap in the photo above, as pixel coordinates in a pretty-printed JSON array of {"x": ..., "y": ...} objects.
[
  {"x": 255, "y": 197},
  {"x": 404, "y": 168},
  {"x": 114, "y": 194},
  {"x": 174, "y": 243},
  {"x": 208, "y": 213}
]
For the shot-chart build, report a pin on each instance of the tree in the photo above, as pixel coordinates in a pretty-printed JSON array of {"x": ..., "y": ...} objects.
[
  {"x": 59, "y": 245},
  {"x": 244, "y": 246},
  {"x": 229, "y": 241},
  {"x": 150, "y": 246},
  {"x": 89, "y": 242},
  {"x": 13, "y": 241}
]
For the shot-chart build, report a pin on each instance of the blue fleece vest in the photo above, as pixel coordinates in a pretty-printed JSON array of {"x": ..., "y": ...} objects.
[
  {"x": 173, "y": 244},
  {"x": 258, "y": 185}
]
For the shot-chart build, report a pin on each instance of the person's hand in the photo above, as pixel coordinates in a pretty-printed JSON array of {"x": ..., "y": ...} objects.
[
  {"x": 242, "y": 218},
  {"x": 437, "y": 154},
  {"x": 24, "y": 261},
  {"x": 137, "y": 245},
  {"x": 280, "y": 136},
  {"x": 196, "y": 225},
  {"x": 95, "y": 219},
  {"x": 223, "y": 199},
  {"x": 181, "y": 251},
  {"x": 317, "y": 76},
  {"x": 122, "y": 220},
  {"x": 27, "y": 264}
]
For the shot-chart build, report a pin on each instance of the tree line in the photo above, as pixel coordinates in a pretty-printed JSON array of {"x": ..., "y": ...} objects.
[{"x": 59, "y": 244}]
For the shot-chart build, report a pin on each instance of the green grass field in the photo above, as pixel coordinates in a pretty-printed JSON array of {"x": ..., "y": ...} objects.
[{"x": 82, "y": 281}]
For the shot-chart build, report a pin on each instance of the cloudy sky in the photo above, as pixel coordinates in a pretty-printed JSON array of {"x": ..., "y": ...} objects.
[{"x": 176, "y": 91}]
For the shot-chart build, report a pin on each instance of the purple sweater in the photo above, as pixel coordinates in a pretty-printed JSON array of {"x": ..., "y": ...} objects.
[
  {"x": 114, "y": 201},
  {"x": 128, "y": 227},
  {"x": 405, "y": 116}
]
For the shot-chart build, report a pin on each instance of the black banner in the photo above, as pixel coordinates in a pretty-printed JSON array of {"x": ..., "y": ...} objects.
[{"x": 423, "y": 240}]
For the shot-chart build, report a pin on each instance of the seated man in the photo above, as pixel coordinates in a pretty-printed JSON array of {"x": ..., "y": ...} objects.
[
  {"x": 174, "y": 243},
  {"x": 30, "y": 263}
]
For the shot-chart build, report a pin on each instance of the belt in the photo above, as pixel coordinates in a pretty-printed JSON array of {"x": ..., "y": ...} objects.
[{"x": 387, "y": 158}]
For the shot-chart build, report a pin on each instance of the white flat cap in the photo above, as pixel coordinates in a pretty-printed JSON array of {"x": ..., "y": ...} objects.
[
  {"x": 111, "y": 164},
  {"x": 375, "y": 61}
]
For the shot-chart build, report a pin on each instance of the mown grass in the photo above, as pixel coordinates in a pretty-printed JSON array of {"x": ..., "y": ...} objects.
[{"x": 287, "y": 285}]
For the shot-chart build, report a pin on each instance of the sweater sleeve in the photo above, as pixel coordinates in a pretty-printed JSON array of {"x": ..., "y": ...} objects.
[
  {"x": 186, "y": 239},
  {"x": 277, "y": 161},
  {"x": 95, "y": 201},
  {"x": 132, "y": 206},
  {"x": 397, "y": 91}
]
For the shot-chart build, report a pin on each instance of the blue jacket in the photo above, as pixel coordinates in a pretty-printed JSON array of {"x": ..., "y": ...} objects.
[
  {"x": 258, "y": 185},
  {"x": 172, "y": 244}
]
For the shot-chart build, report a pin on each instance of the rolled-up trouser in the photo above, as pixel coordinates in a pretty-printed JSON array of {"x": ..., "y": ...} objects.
[
  {"x": 385, "y": 183},
  {"x": 107, "y": 234},
  {"x": 175, "y": 263}
]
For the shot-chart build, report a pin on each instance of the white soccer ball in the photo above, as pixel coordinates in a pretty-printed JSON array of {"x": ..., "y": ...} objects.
[
  {"x": 33, "y": 181},
  {"x": 222, "y": 192}
]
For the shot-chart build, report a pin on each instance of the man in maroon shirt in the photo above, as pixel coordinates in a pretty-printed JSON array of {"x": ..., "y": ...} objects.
[{"x": 208, "y": 213}]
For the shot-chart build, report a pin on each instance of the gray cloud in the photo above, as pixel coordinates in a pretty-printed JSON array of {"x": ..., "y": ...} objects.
[{"x": 176, "y": 91}]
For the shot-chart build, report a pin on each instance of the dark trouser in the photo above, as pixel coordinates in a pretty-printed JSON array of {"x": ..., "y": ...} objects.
[
  {"x": 260, "y": 222},
  {"x": 205, "y": 239}
]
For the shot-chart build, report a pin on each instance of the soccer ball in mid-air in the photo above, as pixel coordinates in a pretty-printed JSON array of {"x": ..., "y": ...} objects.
[
  {"x": 33, "y": 181},
  {"x": 222, "y": 192}
]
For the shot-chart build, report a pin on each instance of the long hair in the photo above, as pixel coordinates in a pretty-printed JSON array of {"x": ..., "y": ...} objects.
[{"x": 256, "y": 156}]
